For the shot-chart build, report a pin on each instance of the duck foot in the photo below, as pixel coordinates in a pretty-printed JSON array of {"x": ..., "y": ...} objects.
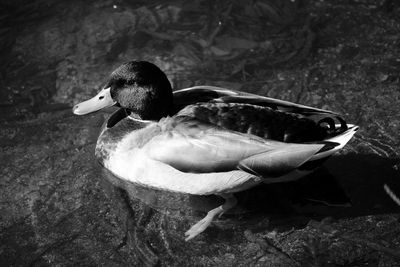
[{"x": 199, "y": 227}]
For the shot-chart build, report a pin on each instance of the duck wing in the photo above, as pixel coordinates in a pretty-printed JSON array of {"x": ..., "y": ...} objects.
[
  {"x": 192, "y": 146},
  {"x": 266, "y": 117},
  {"x": 197, "y": 94}
]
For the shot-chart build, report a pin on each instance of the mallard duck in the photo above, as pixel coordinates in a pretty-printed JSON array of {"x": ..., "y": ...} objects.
[{"x": 206, "y": 140}]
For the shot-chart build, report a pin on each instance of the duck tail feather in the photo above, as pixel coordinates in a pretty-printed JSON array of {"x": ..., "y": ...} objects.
[
  {"x": 335, "y": 143},
  {"x": 345, "y": 136}
]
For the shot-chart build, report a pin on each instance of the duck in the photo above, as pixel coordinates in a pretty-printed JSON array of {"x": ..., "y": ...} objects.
[{"x": 207, "y": 140}]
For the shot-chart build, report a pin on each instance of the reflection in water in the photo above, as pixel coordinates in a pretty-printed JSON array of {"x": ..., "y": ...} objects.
[{"x": 346, "y": 186}]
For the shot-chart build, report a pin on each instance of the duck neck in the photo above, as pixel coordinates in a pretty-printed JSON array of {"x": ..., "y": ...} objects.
[
  {"x": 159, "y": 108},
  {"x": 146, "y": 102},
  {"x": 155, "y": 107},
  {"x": 133, "y": 118}
]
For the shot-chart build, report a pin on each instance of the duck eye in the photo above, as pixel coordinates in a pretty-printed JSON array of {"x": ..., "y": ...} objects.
[{"x": 101, "y": 97}]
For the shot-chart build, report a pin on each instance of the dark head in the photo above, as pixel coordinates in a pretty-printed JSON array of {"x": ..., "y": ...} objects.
[{"x": 138, "y": 86}]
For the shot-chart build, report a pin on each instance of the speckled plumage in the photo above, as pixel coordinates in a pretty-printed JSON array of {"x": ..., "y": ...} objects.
[{"x": 261, "y": 121}]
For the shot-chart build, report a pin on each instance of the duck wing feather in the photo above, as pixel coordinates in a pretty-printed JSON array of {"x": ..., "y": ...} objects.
[
  {"x": 197, "y": 94},
  {"x": 196, "y": 147}
]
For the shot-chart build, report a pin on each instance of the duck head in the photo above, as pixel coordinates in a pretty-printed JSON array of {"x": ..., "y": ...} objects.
[{"x": 139, "y": 87}]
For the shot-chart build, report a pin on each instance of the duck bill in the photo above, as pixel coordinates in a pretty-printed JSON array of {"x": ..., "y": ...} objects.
[{"x": 100, "y": 101}]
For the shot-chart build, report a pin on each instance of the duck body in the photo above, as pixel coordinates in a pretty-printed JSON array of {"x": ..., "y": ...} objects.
[
  {"x": 211, "y": 140},
  {"x": 212, "y": 147}
]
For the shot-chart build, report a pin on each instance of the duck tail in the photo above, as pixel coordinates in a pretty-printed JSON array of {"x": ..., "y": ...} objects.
[
  {"x": 335, "y": 143},
  {"x": 331, "y": 146}
]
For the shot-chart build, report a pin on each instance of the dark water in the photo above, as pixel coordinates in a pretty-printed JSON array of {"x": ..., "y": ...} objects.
[{"x": 58, "y": 207}]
